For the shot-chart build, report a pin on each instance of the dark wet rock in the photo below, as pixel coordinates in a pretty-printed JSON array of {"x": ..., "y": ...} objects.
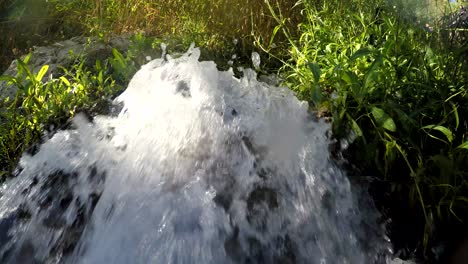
[
  {"x": 256, "y": 252},
  {"x": 283, "y": 252},
  {"x": 34, "y": 149},
  {"x": 257, "y": 151},
  {"x": 248, "y": 144},
  {"x": 183, "y": 89},
  {"x": 25, "y": 254},
  {"x": 263, "y": 173},
  {"x": 459, "y": 253},
  {"x": 6, "y": 223},
  {"x": 259, "y": 204},
  {"x": 286, "y": 249},
  {"x": 45, "y": 201},
  {"x": 232, "y": 246},
  {"x": 94, "y": 198},
  {"x": 66, "y": 201},
  {"x": 263, "y": 195},
  {"x": 234, "y": 112},
  {"x": 54, "y": 220},
  {"x": 224, "y": 200},
  {"x": 116, "y": 109},
  {"x": 17, "y": 171},
  {"x": 92, "y": 172},
  {"x": 96, "y": 178},
  {"x": 328, "y": 201},
  {"x": 34, "y": 181},
  {"x": 279, "y": 250},
  {"x": 23, "y": 212},
  {"x": 58, "y": 210}
]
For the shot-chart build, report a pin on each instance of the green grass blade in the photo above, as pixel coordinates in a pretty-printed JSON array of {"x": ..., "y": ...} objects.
[
  {"x": 65, "y": 81},
  {"x": 42, "y": 72},
  {"x": 7, "y": 78},
  {"x": 448, "y": 134},
  {"x": 464, "y": 145}
]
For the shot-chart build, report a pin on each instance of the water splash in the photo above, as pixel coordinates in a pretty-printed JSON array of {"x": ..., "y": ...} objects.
[
  {"x": 256, "y": 60},
  {"x": 196, "y": 167}
]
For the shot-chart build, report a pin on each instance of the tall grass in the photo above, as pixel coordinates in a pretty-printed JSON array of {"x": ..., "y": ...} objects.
[
  {"x": 44, "y": 103},
  {"x": 212, "y": 24},
  {"x": 206, "y": 22}
]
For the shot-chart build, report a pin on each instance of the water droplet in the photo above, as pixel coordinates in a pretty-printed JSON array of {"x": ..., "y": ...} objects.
[{"x": 256, "y": 60}]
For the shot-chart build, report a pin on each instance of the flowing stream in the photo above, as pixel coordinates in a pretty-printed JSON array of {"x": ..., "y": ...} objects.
[{"x": 193, "y": 166}]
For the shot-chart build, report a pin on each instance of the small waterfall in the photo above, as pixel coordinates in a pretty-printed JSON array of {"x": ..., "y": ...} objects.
[{"x": 194, "y": 166}]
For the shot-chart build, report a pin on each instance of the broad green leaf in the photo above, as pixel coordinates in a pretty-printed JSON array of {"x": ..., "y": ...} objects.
[
  {"x": 383, "y": 119},
  {"x": 315, "y": 69},
  {"x": 27, "y": 58},
  {"x": 118, "y": 57},
  {"x": 275, "y": 30},
  {"x": 442, "y": 129},
  {"x": 353, "y": 81},
  {"x": 356, "y": 127},
  {"x": 98, "y": 65},
  {"x": 360, "y": 53},
  {"x": 316, "y": 94},
  {"x": 341, "y": 114},
  {"x": 42, "y": 72},
  {"x": 100, "y": 77},
  {"x": 350, "y": 78},
  {"x": 429, "y": 55},
  {"x": 464, "y": 145}
]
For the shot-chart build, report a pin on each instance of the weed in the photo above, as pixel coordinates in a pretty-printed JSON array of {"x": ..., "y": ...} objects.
[{"x": 42, "y": 102}]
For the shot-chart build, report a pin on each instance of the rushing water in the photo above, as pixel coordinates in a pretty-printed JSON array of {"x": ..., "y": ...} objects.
[{"x": 195, "y": 166}]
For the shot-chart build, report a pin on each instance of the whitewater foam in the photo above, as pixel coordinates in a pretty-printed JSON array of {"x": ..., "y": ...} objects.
[{"x": 198, "y": 167}]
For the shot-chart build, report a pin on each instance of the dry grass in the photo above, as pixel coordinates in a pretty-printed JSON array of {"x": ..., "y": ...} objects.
[
  {"x": 208, "y": 23},
  {"x": 193, "y": 18}
]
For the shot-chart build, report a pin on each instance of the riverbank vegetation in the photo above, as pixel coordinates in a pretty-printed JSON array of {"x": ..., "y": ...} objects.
[
  {"x": 390, "y": 75},
  {"x": 397, "y": 92}
]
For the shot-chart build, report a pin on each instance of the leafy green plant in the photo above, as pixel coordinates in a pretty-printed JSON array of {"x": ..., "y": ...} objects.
[
  {"x": 41, "y": 102},
  {"x": 398, "y": 92}
]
